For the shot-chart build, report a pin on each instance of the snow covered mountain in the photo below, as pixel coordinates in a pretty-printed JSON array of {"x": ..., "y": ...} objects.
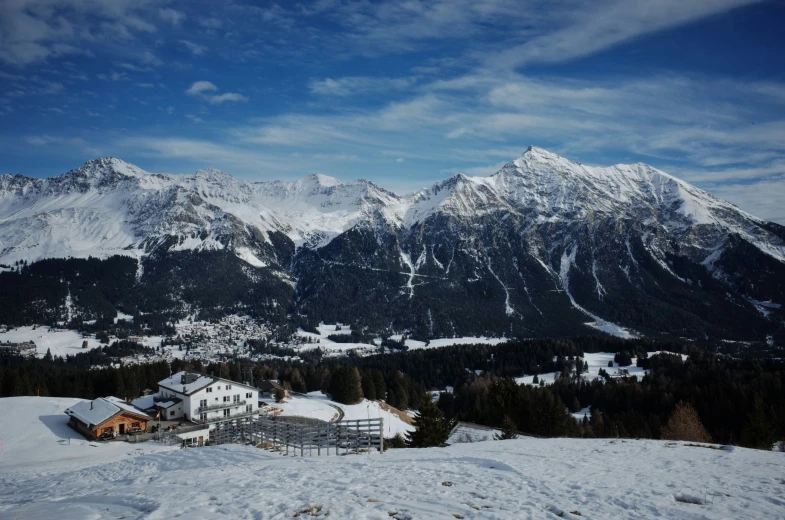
[{"x": 542, "y": 247}]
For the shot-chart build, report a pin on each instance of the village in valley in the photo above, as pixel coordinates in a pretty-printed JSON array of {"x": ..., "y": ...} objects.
[{"x": 229, "y": 337}]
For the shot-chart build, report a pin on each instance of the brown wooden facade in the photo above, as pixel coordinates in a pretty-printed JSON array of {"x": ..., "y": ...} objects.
[{"x": 118, "y": 424}]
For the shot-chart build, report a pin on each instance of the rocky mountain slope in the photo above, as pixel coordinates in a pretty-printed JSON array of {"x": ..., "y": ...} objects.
[{"x": 543, "y": 247}]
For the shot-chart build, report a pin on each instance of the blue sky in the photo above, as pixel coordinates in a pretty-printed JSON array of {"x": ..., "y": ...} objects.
[{"x": 400, "y": 92}]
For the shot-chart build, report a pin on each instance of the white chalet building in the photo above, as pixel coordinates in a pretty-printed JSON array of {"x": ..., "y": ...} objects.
[{"x": 204, "y": 399}]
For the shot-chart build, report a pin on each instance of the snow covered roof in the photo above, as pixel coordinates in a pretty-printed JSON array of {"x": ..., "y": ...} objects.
[
  {"x": 145, "y": 402},
  {"x": 188, "y": 382},
  {"x": 101, "y": 410}
]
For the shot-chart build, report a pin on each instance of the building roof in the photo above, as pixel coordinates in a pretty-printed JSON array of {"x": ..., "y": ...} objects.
[
  {"x": 269, "y": 384},
  {"x": 189, "y": 382},
  {"x": 98, "y": 411},
  {"x": 146, "y": 402},
  {"x": 186, "y": 382}
]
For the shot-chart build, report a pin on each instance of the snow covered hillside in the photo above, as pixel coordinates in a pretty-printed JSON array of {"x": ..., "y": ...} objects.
[
  {"x": 35, "y": 439},
  {"x": 524, "y": 478}
]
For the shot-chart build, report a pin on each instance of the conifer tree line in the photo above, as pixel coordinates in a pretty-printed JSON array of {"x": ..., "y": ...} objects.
[{"x": 726, "y": 400}]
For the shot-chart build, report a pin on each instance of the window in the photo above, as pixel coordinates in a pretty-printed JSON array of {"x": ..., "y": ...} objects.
[
  {"x": 249, "y": 408},
  {"x": 228, "y": 387},
  {"x": 209, "y": 389},
  {"x": 226, "y": 413},
  {"x": 171, "y": 413},
  {"x": 248, "y": 395},
  {"x": 202, "y": 417},
  {"x": 203, "y": 403},
  {"x": 236, "y": 398},
  {"x": 218, "y": 387}
]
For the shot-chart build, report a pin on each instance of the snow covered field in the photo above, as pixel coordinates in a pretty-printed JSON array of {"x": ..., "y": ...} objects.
[
  {"x": 316, "y": 405},
  {"x": 310, "y": 340},
  {"x": 60, "y": 342},
  {"x": 524, "y": 478},
  {"x": 596, "y": 361}
]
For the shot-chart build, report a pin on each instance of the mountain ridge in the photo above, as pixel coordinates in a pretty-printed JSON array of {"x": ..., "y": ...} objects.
[{"x": 541, "y": 246}]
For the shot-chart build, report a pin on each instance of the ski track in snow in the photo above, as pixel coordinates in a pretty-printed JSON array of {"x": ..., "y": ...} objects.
[{"x": 513, "y": 479}]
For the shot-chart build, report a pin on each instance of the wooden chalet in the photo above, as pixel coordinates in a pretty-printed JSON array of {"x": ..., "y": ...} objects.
[{"x": 106, "y": 415}]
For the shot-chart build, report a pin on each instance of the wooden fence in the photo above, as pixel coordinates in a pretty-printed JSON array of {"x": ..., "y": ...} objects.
[{"x": 320, "y": 438}]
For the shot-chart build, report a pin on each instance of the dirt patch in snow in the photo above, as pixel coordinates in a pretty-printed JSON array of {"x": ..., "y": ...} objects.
[{"x": 405, "y": 417}]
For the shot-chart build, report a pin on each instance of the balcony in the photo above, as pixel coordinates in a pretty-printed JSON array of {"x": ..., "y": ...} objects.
[
  {"x": 220, "y": 406},
  {"x": 239, "y": 415}
]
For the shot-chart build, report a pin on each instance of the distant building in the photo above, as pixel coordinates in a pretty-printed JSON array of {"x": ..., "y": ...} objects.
[
  {"x": 106, "y": 415},
  {"x": 203, "y": 399},
  {"x": 268, "y": 387},
  {"x": 25, "y": 348}
]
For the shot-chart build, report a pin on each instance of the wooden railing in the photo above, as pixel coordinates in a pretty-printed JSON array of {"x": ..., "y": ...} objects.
[{"x": 353, "y": 436}]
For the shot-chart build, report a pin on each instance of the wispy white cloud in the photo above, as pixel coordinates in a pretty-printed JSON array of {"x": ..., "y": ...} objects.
[
  {"x": 195, "y": 48},
  {"x": 762, "y": 198},
  {"x": 36, "y": 30},
  {"x": 200, "y": 87},
  {"x": 592, "y": 27},
  {"x": 359, "y": 85},
  {"x": 226, "y": 97},
  {"x": 172, "y": 16}
]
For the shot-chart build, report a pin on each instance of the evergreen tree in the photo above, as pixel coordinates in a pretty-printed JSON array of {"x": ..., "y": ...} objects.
[
  {"x": 346, "y": 386},
  {"x": 379, "y": 384},
  {"x": 297, "y": 381},
  {"x": 369, "y": 389},
  {"x": 758, "y": 433},
  {"x": 48, "y": 355},
  {"x": 431, "y": 427},
  {"x": 509, "y": 430}
]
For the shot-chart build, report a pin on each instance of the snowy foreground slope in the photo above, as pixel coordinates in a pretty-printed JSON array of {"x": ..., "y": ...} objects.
[{"x": 524, "y": 478}]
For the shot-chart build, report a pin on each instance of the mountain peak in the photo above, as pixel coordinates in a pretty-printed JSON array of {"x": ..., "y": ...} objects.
[
  {"x": 323, "y": 180},
  {"x": 102, "y": 166},
  {"x": 541, "y": 154}
]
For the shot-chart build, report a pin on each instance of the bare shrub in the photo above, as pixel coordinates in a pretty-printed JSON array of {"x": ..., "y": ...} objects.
[{"x": 685, "y": 425}]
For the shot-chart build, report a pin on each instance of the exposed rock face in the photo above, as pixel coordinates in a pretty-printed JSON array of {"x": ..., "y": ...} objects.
[{"x": 542, "y": 247}]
